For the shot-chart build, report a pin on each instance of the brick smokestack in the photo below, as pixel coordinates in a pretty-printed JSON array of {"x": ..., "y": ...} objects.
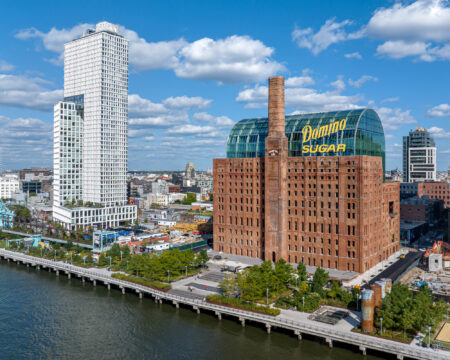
[
  {"x": 276, "y": 153},
  {"x": 276, "y": 106}
]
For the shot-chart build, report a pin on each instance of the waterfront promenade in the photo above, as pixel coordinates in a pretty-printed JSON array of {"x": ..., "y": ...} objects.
[{"x": 298, "y": 325}]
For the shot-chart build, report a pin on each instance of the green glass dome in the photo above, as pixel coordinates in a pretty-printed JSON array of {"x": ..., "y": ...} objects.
[{"x": 359, "y": 130}]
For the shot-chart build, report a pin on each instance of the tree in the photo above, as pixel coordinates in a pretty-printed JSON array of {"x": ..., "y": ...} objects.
[
  {"x": 189, "y": 199},
  {"x": 301, "y": 272},
  {"x": 228, "y": 285},
  {"x": 319, "y": 280},
  {"x": 203, "y": 257},
  {"x": 283, "y": 274}
]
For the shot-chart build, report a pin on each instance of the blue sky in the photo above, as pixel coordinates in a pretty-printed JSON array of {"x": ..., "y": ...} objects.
[{"x": 197, "y": 67}]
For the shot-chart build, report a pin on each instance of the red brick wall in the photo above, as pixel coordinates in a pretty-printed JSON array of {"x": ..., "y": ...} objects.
[
  {"x": 338, "y": 211},
  {"x": 435, "y": 190}
]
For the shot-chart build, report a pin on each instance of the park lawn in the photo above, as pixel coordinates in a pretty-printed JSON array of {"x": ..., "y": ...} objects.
[{"x": 239, "y": 304}]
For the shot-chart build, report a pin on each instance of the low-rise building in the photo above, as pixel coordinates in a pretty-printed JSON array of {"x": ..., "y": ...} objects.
[
  {"x": 421, "y": 209},
  {"x": 435, "y": 190},
  {"x": 9, "y": 184}
]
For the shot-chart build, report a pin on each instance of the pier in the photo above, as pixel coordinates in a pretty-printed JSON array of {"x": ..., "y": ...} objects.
[{"x": 298, "y": 328}]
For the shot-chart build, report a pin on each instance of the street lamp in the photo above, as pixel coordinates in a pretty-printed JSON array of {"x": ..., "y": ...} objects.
[
  {"x": 186, "y": 270},
  {"x": 127, "y": 264},
  {"x": 168, "y": 276},
  {"x": 120, "y": 255},
  {"x": 41, "y": 252},
  {"x": 303, "y": 299},
  {"x": 267, "y": 296},
  {"x": 381, "y": 330},
  {"x": 71, "y": 258},
  {"x": 55, "y": 255},
  {"x": 110, "y": 261}
]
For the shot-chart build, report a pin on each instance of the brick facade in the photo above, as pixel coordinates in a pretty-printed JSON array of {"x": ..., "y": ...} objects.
[
  {"x": 435, "y": 190},
  {"x": 340, "y": 214}
]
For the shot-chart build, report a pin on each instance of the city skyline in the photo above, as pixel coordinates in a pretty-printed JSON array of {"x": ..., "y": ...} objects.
[{"x": 183, "y": 101}]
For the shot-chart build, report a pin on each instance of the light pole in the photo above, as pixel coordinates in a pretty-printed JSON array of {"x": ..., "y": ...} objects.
[
  {"x": 303, "y": 299},
  {"x": 55, "y": 255},
  {"x": 41, "y": 252},
  {"x": 127, "y": 264},
  {"x": 168, "y": 276},
  {"x": 267, "y": 296},
  {"x": 120, "y": 255},
  {"x": 110, "y": 262},
  {"x": 381, "y": 330},
  {"x": 71, "y": 258},
  {"x": 186, "y": 270}
]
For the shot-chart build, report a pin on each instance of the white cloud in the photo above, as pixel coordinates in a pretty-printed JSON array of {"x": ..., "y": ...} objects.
[
  {"x": 152, "y": 55},
  {"x": 392, "y": 119},
  {"x": 399, "y": 49},
  {"x": 55, "y": 39},
  {"x": 190, "y": 129},
  {"x": 220, "y": 121},
  {"x": 143, "y": 107},
  {"x": 353, "y": 55},
  {"x": 413, "y": 29},
  {"x": 22, "y": 137},
  {"x": 358, "y": 83},
  {"x": 298, "y": 81},
  {"x": 339, "y": 84},
  {"x": 158, "y": 121},
  {"x": 391, "y": 99},
  {"x": 26, "y": 92},
  {"x": 442, "y": 110},
  {"x": 231, "y": 60},
  {"x": 422, "y": 20},
  {"x": 185, "y": 102},
  {"x": 330, "y": 33},
  {"x": 4, "y": 66},
  {"x": 439, "y": 133},
  {"x": 302, "y": 99}
]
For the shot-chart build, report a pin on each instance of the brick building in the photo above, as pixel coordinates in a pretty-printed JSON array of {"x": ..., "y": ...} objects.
[
  {"x": 421, "y": 209},
  {"x": 435, "y": 190},
  {"x": 322, "y": 205}
]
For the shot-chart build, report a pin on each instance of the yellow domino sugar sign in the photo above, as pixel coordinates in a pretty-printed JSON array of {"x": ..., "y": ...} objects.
[{"x": 325, "y": 130}]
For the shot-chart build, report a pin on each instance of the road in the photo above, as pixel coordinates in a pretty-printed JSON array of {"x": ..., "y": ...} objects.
[{"x": 398, "y": 268}]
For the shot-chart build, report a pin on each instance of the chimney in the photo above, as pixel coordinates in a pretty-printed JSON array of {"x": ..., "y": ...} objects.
[{"x": 276, "y": 106}]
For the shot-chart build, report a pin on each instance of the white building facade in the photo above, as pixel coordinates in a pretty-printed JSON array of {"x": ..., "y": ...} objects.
[
  {"x": 9, "y": 184},
  {"x": 90, "y": 133},
  {"x": 422, "y": 164}
]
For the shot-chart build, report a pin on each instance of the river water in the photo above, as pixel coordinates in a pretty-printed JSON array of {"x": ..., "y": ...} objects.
[{"x": 46, "y": 317}]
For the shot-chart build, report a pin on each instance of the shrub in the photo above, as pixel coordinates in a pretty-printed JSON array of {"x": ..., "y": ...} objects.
[
  {"x": 234, "y": 302},
  {"x": 141, "y": 281}
]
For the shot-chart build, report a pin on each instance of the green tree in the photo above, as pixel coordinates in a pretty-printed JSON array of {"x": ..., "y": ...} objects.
[
  {"x": 189, "y": 199},
  {"x": 203, "y": 257},
  {"x": 319, "y": 280},
  {"x": 301, "y": 272},
  {"x": 228, "y": 285}
]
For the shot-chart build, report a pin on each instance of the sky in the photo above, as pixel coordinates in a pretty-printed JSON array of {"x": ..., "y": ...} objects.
[{"x": 198, "y": 67}]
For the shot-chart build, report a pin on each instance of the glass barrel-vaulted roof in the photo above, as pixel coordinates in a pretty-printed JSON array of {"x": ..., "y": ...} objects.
[{"x": 362, "y": 134}]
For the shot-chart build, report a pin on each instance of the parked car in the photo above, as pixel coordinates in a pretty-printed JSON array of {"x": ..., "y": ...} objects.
[{"x": 217, "y": 257}]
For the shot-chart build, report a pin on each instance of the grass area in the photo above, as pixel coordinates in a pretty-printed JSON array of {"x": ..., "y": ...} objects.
[
  {"x": 390, "y": 335},
  {"x": 239, "y": 304},
  {"x": 141, "y": 281}
]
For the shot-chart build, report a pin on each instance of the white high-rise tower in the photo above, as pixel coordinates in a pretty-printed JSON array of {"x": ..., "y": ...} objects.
[{"x": 90, "y": 134}]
